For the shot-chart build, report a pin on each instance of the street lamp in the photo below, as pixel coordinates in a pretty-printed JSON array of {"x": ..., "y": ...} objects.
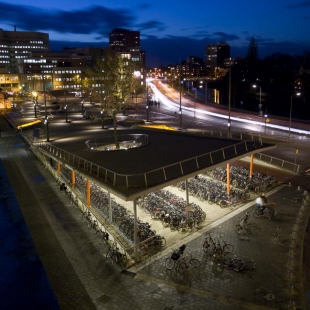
[
  {"x": 266, "y": 119},
  {"x": 206, "y": 91},
  {"x": 64, "y": 82},
  {"x": 102, "y": 119},
  {"x": 289, "y": 130},
  {"x": 147, "y": 102},
  {"x": 260, "y": 98},
  {"x": 229, "y": 100},
  {"x": 82, "y": 105},
  {"x": 66, "y": 113},
  {"x": 180, "y": 108},
  {"x": 47, "y": 129},
  {"x": 46, "y": 117},
  {"x": 35, "y": 102}
]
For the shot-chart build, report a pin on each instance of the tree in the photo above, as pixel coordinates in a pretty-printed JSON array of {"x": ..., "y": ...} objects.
[
  {"x": 252, "y": 54},
  {"x": 111, "y": 82}
]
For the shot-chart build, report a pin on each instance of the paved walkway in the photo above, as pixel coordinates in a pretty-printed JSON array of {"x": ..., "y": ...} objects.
[{"x": 82, "y": 278}]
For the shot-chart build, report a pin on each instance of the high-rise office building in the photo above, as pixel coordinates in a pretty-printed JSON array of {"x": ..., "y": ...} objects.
[
  {"x": 215, "y": 55},
  {"x": 15, "y": 45},
  {"x": 127, "y": 43}
]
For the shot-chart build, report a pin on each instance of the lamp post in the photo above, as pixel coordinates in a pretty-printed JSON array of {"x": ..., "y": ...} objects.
[
  {"x": 180, "y": 108},
  {"x": 47, "y": 129},
  {"x": 35, "y": 102},
  {"x": 229, "y": 99},
  {"x": 64, "y": 80},
  {"x": 265, "y": 116},
  {"x": 66, "y": 113},
  {"x": 260, "y": 99},
  {"x": 46, "y": 117},
  {"x": 147, "y": 102},
  {"x": 289, "y": 130},
  {"x": 206, "y": 91},
  {"x": 102, "y": 119},
  {"x": 82, "y": 105}
]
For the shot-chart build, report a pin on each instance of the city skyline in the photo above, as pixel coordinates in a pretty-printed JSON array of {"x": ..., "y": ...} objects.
[{"x": 169, "y": 33}]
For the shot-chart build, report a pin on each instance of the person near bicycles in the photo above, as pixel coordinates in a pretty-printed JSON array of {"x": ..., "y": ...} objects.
[{"x": 261, "y": 203}]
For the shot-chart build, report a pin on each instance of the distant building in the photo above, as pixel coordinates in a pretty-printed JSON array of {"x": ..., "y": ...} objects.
[
  {"x": 215, "y": 56},
  {"x": 28, "y": 64},
  {"x": 16, "y": 45},
  {"x": 192, "y": 68},
  {"x": 127, "y": 43}
]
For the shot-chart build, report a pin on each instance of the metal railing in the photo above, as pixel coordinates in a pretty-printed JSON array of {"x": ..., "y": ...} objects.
[
  {"x": 283, "y": 164},
  {"x": 149, "y": 178}
]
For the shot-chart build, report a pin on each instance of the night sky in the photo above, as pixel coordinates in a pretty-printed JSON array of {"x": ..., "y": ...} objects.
[{"x": 170, "y": 30}]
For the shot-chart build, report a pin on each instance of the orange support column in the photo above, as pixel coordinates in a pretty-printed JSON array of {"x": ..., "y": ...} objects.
[
  {"x": 88, "y": 193},
  {"x": 251, "y": 165},
  {"x": 73, "y": 178},
  {"x": 58, "y": 168},
  {"x": 228, "y": 178}
]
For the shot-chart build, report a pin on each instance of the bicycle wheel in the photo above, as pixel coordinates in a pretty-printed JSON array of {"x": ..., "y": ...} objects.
[
  {"x": 170, "y": 263},
  {"x": 108, "y": 254},
  {"x": 90, "y": 224},
  {"x": 217, "y": 253},
  {"x": 195, "y": 262},
  {"x": 255, "y": 214},
  {"x": 123, "y": 262},
  {"x": 195, "y": 273},
  {"x": 228, "y": 247},
  {"x": 166, "y": 222},
  {"x": 206, "y": 247},
  {"x": 163, "y": 242},
  {"x": 182, "y": 267}
]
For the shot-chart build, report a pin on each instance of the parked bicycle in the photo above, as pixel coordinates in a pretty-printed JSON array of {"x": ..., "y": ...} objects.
[
  {"x": 241, "y": 226},
  {"x": 87, "y": 216},
  {"x": 175, "y": 256},
  {"x": 239, "y": 264},
  {"x": 215, "y": 247},
  {"x": 117, "y": 258},
  {"x": 268, "y": 212},
  {"x": 93, "y": 224},
  {"x": 187, "y": 262}
]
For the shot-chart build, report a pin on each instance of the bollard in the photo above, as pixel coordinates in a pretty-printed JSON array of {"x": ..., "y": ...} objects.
[
  {"x": 290, "y": 289},
  {"x": 291, "y": 305},
  {"x": 298, "y": 188},
  {"x": 290, "y": 273},
  {"x": 289, "y": 184}
]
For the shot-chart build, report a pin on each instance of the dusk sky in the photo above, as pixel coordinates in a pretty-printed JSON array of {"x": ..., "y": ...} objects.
[{"x": 170, "y": 30}]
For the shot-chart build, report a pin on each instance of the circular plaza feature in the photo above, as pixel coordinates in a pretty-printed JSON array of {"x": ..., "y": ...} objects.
[{"x": 124, "y": 142}]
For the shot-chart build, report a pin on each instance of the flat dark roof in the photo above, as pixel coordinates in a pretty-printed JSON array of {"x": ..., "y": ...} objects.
[{"x": 136, "y": 171}]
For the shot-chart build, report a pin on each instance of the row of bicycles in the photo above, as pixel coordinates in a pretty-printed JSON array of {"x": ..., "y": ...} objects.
[
  {"x": 223, "y": 252},
  {"x": 240, "y": 178},
  {"x": 214, "y": 191},
  {"x": 172, "y": 211}
]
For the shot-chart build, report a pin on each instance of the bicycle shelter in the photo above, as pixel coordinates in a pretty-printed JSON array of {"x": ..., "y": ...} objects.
[{"x": 168, "y": 158}]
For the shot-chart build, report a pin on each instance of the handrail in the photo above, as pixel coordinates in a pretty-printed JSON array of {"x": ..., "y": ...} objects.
[
  {"x": 279, "y": 162},
  {"x": 146, "y": 179}
]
